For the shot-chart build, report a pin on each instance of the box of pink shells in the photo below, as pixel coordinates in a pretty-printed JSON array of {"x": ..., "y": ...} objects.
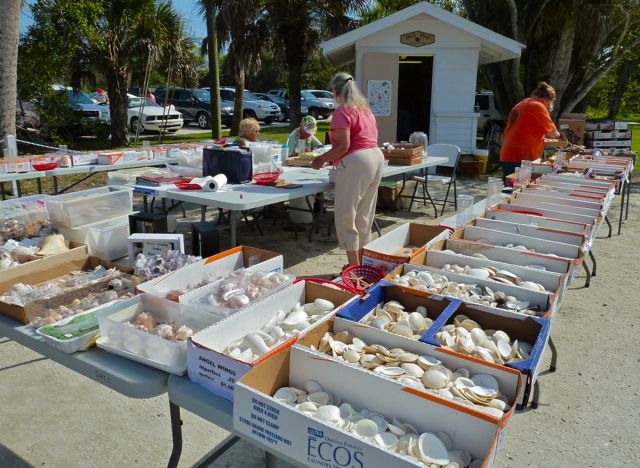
[
  {"x": 175, "y": 284},
  {"x": 325, "y": 412},
  {"x": 151, "y": 330},
  {"x": 221, "y": 354}
]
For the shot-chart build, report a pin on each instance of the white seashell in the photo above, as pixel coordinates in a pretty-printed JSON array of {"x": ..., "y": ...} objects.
[
  {"x": 417, "y": 321},
  {"x": 485, "y": 354},
  {"x": 426, "y": 362},
  {"x": 295, "y": 319},
  {"x": 478, "y": 336},
  {"x": 386, "y": 440},
  {"x": 329, "y": 413},
  {"x": 397, "y": 431},
  {"x": 257, "y": 344},
  {"x": 412, "y": 369},
  {"x": 459, "y": 457},
  {"x": 500, "y": 335},
  {"x": 407, "y": 357},
  {"x": 319, "y": 398},
  {"x": 499, "y": 404},
  {"x": 432, "y": 450},
  {"x": 285, "y": 395},
  {"x": 485, "y": 380},
  {"x": 392, "y": 372},
  {"x": 433, "y": 378},
  {"x": 402, "y": 330},
  {"x": 366, "y": 428},
  {"x": 307, "y": 407},
  {"x": 350, "y": 354},
  {"x": 480, "y": 273},
  {"x": 446, "y": 440},
  {"x": 324, "y": 304},
  {"x": 504, "y": 348},
  {"x": 380, "y": 322}
]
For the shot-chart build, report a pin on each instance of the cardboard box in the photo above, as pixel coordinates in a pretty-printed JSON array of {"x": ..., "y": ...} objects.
[
  {"x": 46, "y": 270},
  {"x": 84, "y": 159},
  {"x": 214, "y": 267},
  {"x": 542, "y": 221},
  {"x": 209, "y": 367},
  {"x": 547, "y": 303},
  {"x": 504, "y": 255},
  {"x": 574, "y": 129},
  {"x": 153, "y": 244},
  {"x": 527, "y": 208},
  {"x": 360, "y": 310},
  {"x": 612, "y": 143},
  {"x": 621, "y": 125},
  {"x": 536, "y": 201},
  {"x": 15, "y": 165},
  {"x": 564, "y": 192},
  {"x": 382, "y": 253},
  {"x": 307, "y": 441},
  {"x": 510, "y": 380},
  {"x": 532, "y": 330},
  {"x": 111, "y": 158},
  {"x": 530, "y": 231}
]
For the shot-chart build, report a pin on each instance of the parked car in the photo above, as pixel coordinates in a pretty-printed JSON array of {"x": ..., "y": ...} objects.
[
  {"x": 319, "y": 102},
  {"x": 253, "y": 106},
  {"x": 152, "y": 116},
  {"x": 283, "y": 104},
  {"x": 195, "y": 105},
  {"x": 490, "y": 123},
  {"x": 86, "y": 108}
]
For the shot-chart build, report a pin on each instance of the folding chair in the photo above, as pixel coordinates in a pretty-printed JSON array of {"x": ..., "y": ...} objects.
[{"x": 439, "y": 150}]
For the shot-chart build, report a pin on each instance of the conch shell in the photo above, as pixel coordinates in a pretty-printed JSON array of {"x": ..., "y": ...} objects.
[{"x": 53, "y": 244}]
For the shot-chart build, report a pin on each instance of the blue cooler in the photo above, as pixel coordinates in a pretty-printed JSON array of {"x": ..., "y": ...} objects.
[{"x": 234, "y": 162}]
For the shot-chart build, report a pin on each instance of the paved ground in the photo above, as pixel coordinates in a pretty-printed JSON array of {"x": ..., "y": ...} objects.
[{"x": 589, "y": 415}]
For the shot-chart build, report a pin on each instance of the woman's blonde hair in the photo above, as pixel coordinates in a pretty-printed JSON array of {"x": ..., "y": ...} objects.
[
  {"x": 344, "y": 86},
  {"x": 545, "y": 91},
  {"x": 247, "y": 125}
]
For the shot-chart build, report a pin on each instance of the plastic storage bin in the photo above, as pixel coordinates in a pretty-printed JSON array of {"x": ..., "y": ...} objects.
[
  {"x": 25, "y": 209},
  {"x": 106, "y": 240},
  {"x": 90, "y": 206},
  {"x": 137, "y": 345}
]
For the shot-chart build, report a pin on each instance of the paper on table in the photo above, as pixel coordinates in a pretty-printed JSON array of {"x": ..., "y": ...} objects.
[{"x": 209, "y": 183}]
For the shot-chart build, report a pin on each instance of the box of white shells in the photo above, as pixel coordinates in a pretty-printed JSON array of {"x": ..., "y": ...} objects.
[
  {"x": 177, "y": 283},
  {"x": 397, "y": 246},
  {"x": 323, "y": 412},
  {"x": 219, "y": 355}
]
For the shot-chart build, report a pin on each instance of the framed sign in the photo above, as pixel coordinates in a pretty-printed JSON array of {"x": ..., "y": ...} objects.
[
  {"x": 379, "y": 95},
  {"x": 417, "y": 38}
]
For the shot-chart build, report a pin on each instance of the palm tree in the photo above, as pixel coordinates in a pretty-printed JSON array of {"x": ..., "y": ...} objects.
[
  {"x": 247, "y": 32},
  {"x": 9, "y": 33},
  {"x": 300, "y": 25},
  {"x": 210, "y": 9}
]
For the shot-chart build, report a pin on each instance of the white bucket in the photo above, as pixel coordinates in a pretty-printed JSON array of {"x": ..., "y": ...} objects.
[{"x": 301, "y": 217}]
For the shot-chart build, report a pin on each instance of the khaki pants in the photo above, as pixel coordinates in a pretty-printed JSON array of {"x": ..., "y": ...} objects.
[{"x": 358, "y": 176}]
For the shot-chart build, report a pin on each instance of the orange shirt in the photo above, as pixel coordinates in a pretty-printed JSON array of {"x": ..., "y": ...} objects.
[{"x": 528, "y": 123}]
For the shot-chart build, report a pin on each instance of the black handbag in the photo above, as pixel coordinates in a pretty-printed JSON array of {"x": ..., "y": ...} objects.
[{"x": 234, "y": 162}]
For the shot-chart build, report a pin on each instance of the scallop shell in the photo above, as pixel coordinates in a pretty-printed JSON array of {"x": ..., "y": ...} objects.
[
  {"x": 366, "y": 428},
  {"x": 324, "y": 304},
  {"x": 434, "y": 378},
  {"x": 350, "y": 354},
  {"x": 486, "y": 380},
  {"x": 426, "y": 362},
  {"x": 432, "y": 450},
  {"x": 412, "y": 369},
  {"x": 285, "y": 395},
  {"x": 312, "y": 386},
  {"x": 329, "y": 413},
  {"x": 386, "y": 440}
]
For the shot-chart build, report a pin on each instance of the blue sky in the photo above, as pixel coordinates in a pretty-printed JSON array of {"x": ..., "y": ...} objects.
[{"x": 194, "y": 24}]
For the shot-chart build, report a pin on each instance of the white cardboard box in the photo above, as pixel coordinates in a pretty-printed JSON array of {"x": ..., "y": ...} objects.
[
  {"x": 382, "y": 252},
  {"x": 153, "y": 244},
  {"x": 548, "y": 212},
  {"x": 549, "y": 197},
  {"x": 545, "y": 247},
  {"x": 531, "y": 231},
  {"x": 214, "y": 267},
  {"x": 542, "y": 221},
  {"x": 83, "y": 159},
  {"x": 217, "y": 372},
  {"x": 534, "y": 201},
  {"x": 306, "y": 441}
]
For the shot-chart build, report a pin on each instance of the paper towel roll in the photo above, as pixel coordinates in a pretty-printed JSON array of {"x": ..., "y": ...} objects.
[{"x": 211, "y": 184}]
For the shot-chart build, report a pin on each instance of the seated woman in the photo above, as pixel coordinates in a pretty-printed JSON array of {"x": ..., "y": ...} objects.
[
  {"x": 249, "y": 131},
  {"x": 306, "y": 131}
]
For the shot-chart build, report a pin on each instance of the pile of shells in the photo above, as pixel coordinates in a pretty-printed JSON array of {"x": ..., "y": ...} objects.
[
  {"x": 439, "y": 284},
  {"x": 280, "y": 328},
  {"x": 494, "y": 274},
  {"x": 467, "y": 337},
  {"x": 431, "y": 449},
  {"x": 393, "y": 318},
  {"x": 426, "y": 373},
  {"x": 484, "y": 257}
]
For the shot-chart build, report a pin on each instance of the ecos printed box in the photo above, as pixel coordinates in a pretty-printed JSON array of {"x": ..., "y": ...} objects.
[{"x": 307, "y": 441}]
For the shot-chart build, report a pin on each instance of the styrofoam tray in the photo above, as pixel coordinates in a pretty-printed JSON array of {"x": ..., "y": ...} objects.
[
  {"x": 102, "y": 343},
  {"x": 76, "y": 344}
]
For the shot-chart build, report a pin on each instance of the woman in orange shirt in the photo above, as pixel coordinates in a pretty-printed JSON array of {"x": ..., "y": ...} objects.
[{"x": 529, "y": 128}]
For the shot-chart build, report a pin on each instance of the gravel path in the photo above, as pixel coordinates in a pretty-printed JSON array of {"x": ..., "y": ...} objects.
[{"x": 588, "y": 415}]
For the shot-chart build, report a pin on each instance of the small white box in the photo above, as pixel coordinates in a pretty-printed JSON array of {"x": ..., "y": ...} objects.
[
  {"x": 217, "y": 372},
  {"x": 153, "y": 244},
  {"x": 214, "y": 267},
  {"x": 545, "y": 211},
  {"x": 83, "y": 159},
  {"x": 621, "y": 125},
  {"x": 113, "y": 158},
  {"x": 140, "y": 346}
]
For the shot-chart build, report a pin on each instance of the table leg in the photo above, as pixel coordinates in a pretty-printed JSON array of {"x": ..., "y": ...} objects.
[
  {"x": 536, "y": 395},
  {"x": 233, "y": 221},
  {"x": 176, "y": 434},
  {"x": 2, "y": 192},
  {"x": 218, "y": 452},
  {"x": 18, "y": 189},
  {"x": 554, "y": 355},
  {"x": 55, "y": 185},
  {"x": 203, "y": 213},
  {"x": 586, "y": 269},
  {"x": 595, "y": 265},
  {"x": 145, "y": 204},
  {"x": 622, "y": 195},
  {"x": 39, "y": 184},
  {"x": 271, "y": 461},
  {"x": 626, "y": 210},
  {"x": 163, "y": 204},
  {"x": 606, "y": 218}
]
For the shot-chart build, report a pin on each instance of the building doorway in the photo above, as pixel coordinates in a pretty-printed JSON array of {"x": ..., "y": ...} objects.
[{"x": 414, "y": 95}]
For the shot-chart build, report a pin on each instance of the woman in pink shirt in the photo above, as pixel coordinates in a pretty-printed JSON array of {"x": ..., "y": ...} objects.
[{"x": 358, "y": 162}]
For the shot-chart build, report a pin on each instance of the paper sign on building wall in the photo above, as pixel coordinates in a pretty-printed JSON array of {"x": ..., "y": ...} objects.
[{"x": 379, "y": 94}]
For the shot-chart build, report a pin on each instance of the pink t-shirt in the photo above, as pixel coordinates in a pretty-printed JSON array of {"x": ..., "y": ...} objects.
[{"x": 363, "y": 131}]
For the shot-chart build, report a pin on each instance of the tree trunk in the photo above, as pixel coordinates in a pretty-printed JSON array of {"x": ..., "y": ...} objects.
[
  {"x": 624, "y": 73},
  {"x": 9, "y": 28},
  {"x": 214, "y": 71},
  {"x": 117, "y": 81},
  {"x": 295, "y": 87},
  {"x": 238, "y": 102}
]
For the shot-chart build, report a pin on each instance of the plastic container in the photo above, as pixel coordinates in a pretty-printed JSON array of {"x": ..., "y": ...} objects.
[
  {"x": 90, "y": 206},
  {"x": 137, "y": 345},
  {"x": 301, "y": 213},
  {"x": 79, "y": 343},
  {"x": 106, "y": 240},
  {"x": 481, "y": 155},
  {"x": 465, "y": 210},
  {"x": 365, "y": 273},
  {"x": 25, "y": 209}
]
